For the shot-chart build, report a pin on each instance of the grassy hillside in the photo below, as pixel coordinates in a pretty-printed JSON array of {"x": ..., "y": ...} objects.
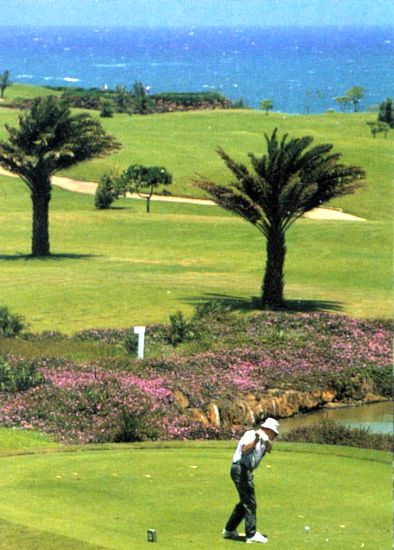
[
  {"x": 17, "y": 92},
  {"x": 185, "y": 144},
  {"x": 123, "y": 266}
]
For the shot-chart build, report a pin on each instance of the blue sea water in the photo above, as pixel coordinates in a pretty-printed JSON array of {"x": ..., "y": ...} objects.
[{"x": 300, "y": 69}]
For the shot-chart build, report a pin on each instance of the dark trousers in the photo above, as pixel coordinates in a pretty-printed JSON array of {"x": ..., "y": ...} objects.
[{"x": 246, "y": 507}]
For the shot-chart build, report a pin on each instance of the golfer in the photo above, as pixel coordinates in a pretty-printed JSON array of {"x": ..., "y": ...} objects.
[{"x": 250, "y": 450}]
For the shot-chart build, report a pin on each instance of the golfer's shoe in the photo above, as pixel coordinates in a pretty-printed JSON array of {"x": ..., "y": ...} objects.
[
  {"x": 230, "y": 534},
  {"x": 257, "y": 537}
]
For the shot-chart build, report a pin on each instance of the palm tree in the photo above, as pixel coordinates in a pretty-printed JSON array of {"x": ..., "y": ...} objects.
[
  {"x": 49, "y": 138},
  {"x": 289, "y": 180}
]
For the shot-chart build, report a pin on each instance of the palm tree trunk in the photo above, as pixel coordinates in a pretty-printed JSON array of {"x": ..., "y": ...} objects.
[
  {"x": 273, "y": 283},
  {"x": 40, "y": 235}
]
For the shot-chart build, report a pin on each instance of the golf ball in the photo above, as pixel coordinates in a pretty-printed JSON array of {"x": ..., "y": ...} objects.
[{"x": 306, "y": 528}]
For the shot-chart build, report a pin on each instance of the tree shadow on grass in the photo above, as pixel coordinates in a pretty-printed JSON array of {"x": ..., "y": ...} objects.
[
  {"x": 312, "y": 305},
  {"x": 238, "y": 303},
  {"x": 224, "y": 301},
  {"x": 27, "y": 257}
]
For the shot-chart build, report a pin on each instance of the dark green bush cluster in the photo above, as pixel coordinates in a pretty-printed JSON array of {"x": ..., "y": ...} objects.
[
  {"x": 180, "y": 329},
  {"x": 107, "y": 109},
  {"x": 19, "y": 377},
  {"x": 10, "y": 324},
  {"x": 109, "y": 189},
  {"x": 131, "y": 343},
  {"x": 82, "y": 98},
  {"x": 331, "y": 433},
  {"x": 122, "y": 100},
  {"x": 135, "y": 427},
  {"x": 189, "y": 99},
  {"x": 105, "y": 193},
  {"x": 386, "y": 114}
]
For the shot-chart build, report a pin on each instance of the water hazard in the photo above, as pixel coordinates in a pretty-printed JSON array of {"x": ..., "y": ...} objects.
[{"x": 377, "y": 417}]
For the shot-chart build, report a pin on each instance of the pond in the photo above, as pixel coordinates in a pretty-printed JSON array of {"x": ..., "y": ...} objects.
[{"x": 377, "y": 417}]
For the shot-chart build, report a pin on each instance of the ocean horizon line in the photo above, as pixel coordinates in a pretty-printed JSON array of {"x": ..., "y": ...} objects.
[{"x": 211, "y": 26}]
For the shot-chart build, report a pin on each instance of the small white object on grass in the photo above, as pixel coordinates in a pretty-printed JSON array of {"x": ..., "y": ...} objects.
[{"x": 306, "y": 528}]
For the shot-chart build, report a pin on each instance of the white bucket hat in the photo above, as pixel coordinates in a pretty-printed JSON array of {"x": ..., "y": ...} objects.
[{"x": 271, "y": 424}]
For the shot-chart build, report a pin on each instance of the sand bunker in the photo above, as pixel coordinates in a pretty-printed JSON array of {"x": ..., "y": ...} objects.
[{"x": 89, "y": 187}]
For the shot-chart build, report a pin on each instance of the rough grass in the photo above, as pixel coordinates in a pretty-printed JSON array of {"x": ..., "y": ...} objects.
[
  {"x": 109, "y": 498},
  {"x": 13, "y": 439}
]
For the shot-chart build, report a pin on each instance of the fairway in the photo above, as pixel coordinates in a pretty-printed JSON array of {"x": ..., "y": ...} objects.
[
  {"x": 122, "y": 266},
  {"x": 108, "y": 497}
]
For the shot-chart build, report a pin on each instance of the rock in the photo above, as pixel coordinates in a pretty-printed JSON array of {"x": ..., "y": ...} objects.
[
  {"x": 362, "y": 387},
  {"x": 200, "y": 417},
  {"x": 335, "y": 405},
  {"x": 265, "y": 407},
  {"x": 245, "y": 413},
  {"x": 251, "y": 398},
  {"x": 310, "y": 400},
  {"x": 373, "y": 398},
  {"x": 328, "y": 396},
  {"x": 181, "y": 400},
  {"x": 213, "y": 415}
]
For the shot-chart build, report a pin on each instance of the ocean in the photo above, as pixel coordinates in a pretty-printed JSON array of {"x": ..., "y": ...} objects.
[{"x": 300, "y": 69}]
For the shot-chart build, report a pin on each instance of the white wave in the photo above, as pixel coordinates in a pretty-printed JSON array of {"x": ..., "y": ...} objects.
[
  {"x": 110, "y": 65},
  {"x": 24, "y": 76},
  {"x": 70, "y": 79}
]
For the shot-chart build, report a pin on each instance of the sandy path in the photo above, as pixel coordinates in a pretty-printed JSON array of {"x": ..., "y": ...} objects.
[{"x": 89, "y": 187}]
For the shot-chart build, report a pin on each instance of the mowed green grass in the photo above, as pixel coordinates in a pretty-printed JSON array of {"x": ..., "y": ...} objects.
[
  {"x": 123, "y": 267},
  {"x": 108, "y": 497}
]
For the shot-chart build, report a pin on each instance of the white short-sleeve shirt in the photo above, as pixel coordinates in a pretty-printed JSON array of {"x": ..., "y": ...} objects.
[{"x": 252, "y": 459}]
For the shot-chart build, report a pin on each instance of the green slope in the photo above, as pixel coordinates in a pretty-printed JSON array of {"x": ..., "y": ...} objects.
[{"x": 186, "y": 142}]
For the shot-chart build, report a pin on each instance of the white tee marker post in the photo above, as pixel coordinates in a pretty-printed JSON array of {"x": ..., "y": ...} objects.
[{"x": 141, "y": 337}]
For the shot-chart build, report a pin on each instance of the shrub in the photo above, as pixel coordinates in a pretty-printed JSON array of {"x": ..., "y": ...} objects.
[
  {"x": 107, "y": 109},
  {"x": 131, "y": 343},
  {"x": 136, "y": 426},
  {"x": 10, "y": 324},
  {"x": 106, "y": 192},
  {"x": 19, "y": 377},
  {"x": 180, "y": 330},
  {"x": 331, "y": 433}
]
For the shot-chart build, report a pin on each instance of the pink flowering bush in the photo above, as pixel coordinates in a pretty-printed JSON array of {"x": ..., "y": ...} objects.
[{"x": 122, "y": 399}]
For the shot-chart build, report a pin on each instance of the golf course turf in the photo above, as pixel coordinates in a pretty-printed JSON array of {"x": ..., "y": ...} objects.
[
  {"x": 109, "y": 496},
  {"x": 121, "y": 267}
]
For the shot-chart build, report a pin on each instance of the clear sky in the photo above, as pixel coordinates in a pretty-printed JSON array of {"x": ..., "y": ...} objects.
[{"x": 196, "y": 12}]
